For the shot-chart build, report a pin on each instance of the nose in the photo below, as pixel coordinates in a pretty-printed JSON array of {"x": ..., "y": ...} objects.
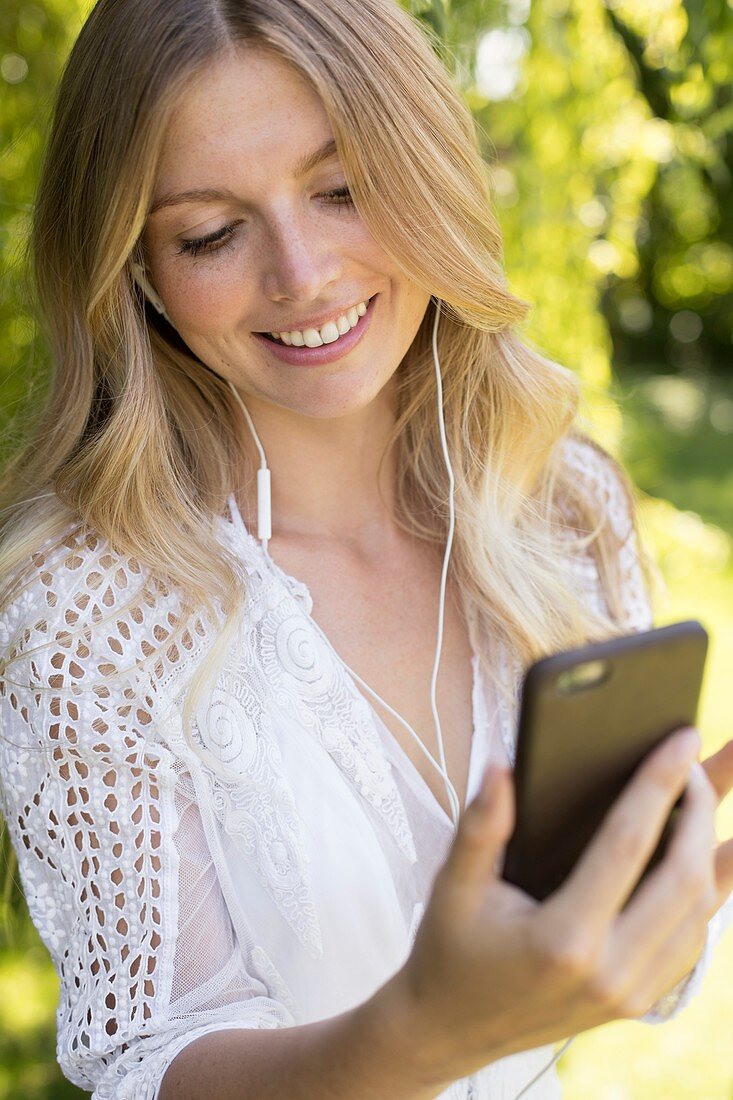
[{"x": 300, "y": 262}]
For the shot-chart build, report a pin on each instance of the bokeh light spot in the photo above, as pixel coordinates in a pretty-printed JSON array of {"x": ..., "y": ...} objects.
[{"x": 13, "y": 68}]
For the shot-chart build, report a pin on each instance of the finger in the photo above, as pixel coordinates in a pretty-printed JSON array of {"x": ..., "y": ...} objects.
[
  {"x": 483, "y": 830},
  {"x": 719, "y": 768},
  {"x": 676, "y": 886},
  {"x": 672, "y": 962},
  {"x": 610, "y": 867},
  {"x": 724, "y": 870}
]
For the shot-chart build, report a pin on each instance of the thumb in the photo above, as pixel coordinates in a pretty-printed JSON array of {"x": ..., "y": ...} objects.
[{"x": 483, "y": 830}]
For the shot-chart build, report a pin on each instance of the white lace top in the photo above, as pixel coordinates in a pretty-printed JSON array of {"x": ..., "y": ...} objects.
[{"x": 176, "y": 901}]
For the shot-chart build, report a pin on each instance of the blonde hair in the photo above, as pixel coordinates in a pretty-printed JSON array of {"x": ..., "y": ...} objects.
[{"x": 140, "y": 442}]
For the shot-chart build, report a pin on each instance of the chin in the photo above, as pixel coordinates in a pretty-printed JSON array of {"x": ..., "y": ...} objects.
[{"x": 329, "y": 395}]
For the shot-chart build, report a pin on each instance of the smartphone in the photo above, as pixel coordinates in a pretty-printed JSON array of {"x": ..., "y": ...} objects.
[{"x": 587, "y": 719}]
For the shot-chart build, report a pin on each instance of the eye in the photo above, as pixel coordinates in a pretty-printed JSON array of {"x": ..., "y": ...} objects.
[
  {"x": 341, "y": 196},
  {"x": 203, "y": 244}
]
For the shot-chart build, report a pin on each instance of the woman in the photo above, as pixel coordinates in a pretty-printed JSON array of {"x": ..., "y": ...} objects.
[{"x": 219, "y": 834}]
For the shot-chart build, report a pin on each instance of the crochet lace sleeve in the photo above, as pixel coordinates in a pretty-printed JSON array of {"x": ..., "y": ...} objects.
[
  {"x": 600, "y": 475},
  {"x": 112, "y": 852}
]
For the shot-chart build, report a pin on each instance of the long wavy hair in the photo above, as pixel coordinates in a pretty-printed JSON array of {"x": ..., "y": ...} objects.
[{"x": 140, "y": 442}]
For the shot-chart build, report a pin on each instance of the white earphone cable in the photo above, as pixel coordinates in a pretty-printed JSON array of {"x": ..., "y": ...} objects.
[
  {"x": 449, "y": 544},
  {"x": 263, "y": 506},
  {"x": 452, "y": 795},
  {"x": 543, "y": 1071}
]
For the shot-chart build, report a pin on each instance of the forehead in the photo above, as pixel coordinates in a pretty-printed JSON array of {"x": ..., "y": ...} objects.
[{"x": 248, "y": 104}]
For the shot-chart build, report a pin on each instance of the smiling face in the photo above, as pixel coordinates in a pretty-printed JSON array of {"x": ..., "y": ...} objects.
[{"x": 287, "y": 251}]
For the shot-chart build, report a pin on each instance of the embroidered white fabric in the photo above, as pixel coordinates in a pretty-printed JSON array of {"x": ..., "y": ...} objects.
[{"x": 175, "y": 901}]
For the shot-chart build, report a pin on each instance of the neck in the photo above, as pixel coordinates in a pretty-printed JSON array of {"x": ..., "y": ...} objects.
[{"x": 324, "y": 472}]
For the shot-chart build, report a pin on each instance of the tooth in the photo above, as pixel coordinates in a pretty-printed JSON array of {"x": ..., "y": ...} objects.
[{"x": 328, "y": 333}]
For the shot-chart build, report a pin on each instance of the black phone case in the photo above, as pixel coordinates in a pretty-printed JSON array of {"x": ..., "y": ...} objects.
[{"x": 577, "y": 749}]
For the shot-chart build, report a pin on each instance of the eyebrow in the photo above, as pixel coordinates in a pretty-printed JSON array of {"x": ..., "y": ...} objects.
[{"x": 206, "y": 194}]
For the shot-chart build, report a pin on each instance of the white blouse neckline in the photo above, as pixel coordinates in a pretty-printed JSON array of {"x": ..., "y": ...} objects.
[{"x": 478, "y": 752}]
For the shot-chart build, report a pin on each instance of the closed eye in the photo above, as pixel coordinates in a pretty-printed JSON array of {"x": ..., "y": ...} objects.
[
  {"x": 341, "y": 195},
  {"x": 202, "y": 244}
]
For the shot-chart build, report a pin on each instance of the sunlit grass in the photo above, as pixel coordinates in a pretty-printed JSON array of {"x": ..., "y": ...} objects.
[
  {"x": 22, "y": 1015},
  {"x": 29, "y": 990}
]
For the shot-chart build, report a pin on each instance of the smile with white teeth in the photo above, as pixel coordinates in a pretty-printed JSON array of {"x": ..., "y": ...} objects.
[{"x": 326, "y": 334}]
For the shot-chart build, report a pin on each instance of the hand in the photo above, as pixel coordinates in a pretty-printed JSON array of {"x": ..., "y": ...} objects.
[
  {"x": 719, "y": 772},
  {"x": 492, "y": 971}
]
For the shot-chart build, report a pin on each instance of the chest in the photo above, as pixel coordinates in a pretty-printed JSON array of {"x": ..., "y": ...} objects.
[{"x": 383, "y": 621}]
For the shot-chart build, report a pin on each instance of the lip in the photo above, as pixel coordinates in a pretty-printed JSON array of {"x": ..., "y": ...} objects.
[{"x": 326, "y": 353}]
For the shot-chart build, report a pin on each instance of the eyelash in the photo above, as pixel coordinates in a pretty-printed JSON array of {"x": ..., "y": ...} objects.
[{"x": 203, "y": 244}]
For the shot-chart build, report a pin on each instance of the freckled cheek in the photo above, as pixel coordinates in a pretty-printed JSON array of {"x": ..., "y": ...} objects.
[{"x": 208, "y": 302}]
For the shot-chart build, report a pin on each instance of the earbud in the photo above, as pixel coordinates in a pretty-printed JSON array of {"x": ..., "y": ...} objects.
[{"x": 140, "y": 276}]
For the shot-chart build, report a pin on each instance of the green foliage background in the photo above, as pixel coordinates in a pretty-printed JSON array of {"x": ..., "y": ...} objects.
[{"x": 611, "y": 150}]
